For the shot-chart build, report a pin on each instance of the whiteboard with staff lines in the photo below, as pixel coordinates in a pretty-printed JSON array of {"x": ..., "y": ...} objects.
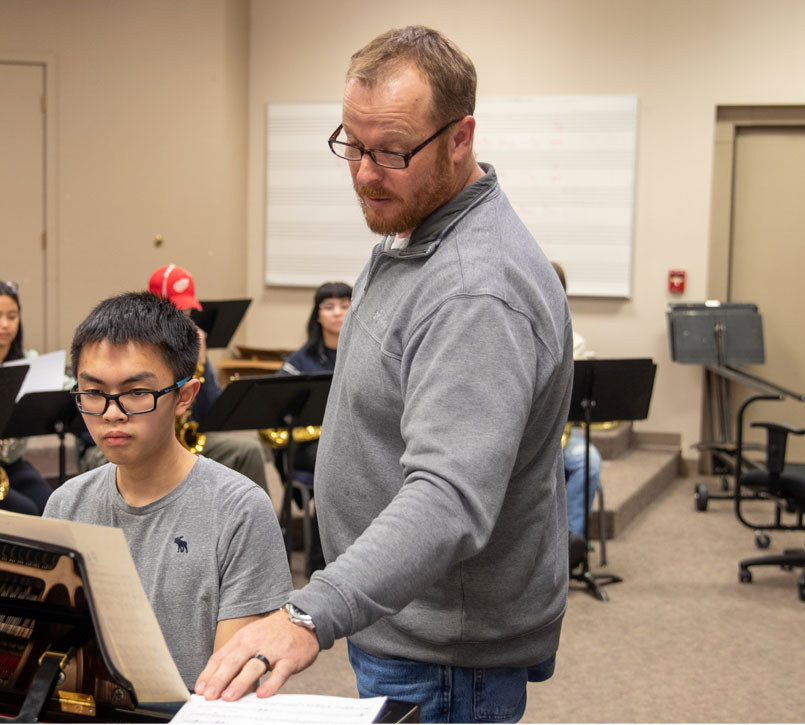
[{"x": 567, "y": 164}]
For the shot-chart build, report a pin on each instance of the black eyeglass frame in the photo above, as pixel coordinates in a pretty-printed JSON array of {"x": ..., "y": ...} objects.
[
  {"x": 405, "y": 157},
  {"x": 76, "y": 393}
]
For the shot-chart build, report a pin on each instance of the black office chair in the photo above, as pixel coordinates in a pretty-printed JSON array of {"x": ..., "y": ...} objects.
[{"x": 782, "y": 484}]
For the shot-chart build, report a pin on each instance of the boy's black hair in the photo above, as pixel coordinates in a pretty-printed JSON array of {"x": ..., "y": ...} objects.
[
  {"x": 315, "y": 337},
  {"x": 16, "y": 350},
  {"x": 145, "y": 318}
]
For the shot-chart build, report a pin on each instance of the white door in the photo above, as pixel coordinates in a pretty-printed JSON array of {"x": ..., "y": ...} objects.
[{"x": 22, "y": 192}]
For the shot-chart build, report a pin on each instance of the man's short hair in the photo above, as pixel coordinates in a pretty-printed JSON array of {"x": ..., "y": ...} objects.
[
  {"x": 144, "y": 318},
  {"x": 448, "y": 69}
]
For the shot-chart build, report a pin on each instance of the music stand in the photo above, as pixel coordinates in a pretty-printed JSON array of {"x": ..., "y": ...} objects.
[
  {"x": 286, "y": 401},
  {"x": 606, "y": 390},
  {"x": 11, "y": 379},
  {"x": 717, "y": 335},
  {"x": 44, "y": 413},
  {"x": 219, "y": 319}
]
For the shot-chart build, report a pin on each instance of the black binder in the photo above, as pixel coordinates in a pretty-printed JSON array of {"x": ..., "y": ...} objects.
[
  {"x": 11, "y": 379},
  {"x": 219, "y": 319},
  {"x": 44, "y": 413}
]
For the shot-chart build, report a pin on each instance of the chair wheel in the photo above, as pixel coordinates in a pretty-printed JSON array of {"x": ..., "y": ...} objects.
[
  {"x": 762, "y": 540},
  {"x": 745, "y": 576},
  {"x": 700, "y": 497}
]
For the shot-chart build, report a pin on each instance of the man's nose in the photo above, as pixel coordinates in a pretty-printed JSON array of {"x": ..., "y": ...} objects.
[{"x": 367, "y": 171}]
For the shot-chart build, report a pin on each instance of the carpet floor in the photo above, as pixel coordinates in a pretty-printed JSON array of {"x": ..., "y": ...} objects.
[{"x": 681, "y": 640}]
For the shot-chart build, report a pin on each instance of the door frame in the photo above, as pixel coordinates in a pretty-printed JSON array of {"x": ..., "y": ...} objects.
[
  {"x": 52, "y": 291},
  {"x": 728, "y": 122}
]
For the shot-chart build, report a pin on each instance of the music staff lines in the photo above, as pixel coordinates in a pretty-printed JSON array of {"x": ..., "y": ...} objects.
[{"x": 339, "y": 195}]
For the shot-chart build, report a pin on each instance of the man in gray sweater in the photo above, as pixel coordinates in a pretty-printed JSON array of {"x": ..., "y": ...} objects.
[{"x": 439, "y": 477}]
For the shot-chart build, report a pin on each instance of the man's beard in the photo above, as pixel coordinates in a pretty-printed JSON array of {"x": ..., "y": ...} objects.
[{"x": 428, "y": 197}]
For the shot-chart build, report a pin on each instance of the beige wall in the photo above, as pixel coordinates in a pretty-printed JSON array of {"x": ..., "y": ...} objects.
[
  {"x": 148, "y": 114},
  {"x": 159, "y": 110},
  {"x": 681, "y": 57}
]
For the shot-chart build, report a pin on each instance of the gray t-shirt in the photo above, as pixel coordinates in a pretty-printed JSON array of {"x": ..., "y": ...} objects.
[{"x": 210, "y": 550}]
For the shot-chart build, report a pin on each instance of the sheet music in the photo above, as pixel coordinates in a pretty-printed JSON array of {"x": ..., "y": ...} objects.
[
  {"x": 45, "y": 372},
  {"x": 128, "y": 625},
  {"x": 281, "y": 709}
]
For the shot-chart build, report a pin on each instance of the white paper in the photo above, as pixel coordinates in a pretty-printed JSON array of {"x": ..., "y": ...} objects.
[
  {"x": 281, "y": 709},
  {"x": 45, "y": 373}
]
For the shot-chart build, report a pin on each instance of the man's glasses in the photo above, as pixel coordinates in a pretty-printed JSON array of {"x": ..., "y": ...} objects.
[
  {"x": 386, "y": 159},
  {"x": 134, "y": 402}
]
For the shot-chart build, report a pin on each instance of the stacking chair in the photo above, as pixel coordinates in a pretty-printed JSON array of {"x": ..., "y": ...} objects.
[{"x": 784, "y": 486}]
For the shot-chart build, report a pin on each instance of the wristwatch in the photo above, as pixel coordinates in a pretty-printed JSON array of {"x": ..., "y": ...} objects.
[{"x": 298, "y": 617}]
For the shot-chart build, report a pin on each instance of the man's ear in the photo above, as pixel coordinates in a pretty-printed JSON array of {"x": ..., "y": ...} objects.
[
  {"x": 187, "y": 394},
  {"x": 462, "y": 139}
]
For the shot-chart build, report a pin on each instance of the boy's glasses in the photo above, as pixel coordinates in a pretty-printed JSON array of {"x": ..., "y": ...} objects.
[{"x": 134, "y": 402}]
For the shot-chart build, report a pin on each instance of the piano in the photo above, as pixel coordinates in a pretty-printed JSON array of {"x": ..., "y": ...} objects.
[{"x": 53, "y": 665}]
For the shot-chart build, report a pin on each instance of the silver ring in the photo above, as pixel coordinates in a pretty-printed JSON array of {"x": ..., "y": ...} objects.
[{"x": 264, "y": 660}]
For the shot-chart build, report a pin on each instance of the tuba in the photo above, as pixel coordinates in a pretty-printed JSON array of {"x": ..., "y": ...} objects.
[{"x": 186, "y": 429}]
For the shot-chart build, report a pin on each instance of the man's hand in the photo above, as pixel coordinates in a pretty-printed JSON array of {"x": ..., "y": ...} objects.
[{"x": 231, "y": 670}]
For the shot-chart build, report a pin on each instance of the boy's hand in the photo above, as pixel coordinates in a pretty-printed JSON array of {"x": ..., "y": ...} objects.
[{"x": 232, "y": 669}]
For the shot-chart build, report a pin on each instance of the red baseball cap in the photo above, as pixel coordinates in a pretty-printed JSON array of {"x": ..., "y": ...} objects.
[{"x": 176, "y": 284}]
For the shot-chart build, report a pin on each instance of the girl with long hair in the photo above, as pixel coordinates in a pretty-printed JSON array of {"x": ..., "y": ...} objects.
[{"x": 24, "y": 489}]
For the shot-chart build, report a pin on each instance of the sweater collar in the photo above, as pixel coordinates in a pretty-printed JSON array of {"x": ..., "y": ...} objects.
[{"x": 426, "y": 237}]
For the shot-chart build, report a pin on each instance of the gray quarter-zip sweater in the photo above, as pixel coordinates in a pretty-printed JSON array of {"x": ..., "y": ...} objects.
[{"x": 439, "y": 477}]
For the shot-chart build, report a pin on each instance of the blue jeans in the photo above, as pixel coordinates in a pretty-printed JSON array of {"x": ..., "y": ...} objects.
[
  {"x": 574, "y": 474},
  {"x": 446, "y": 693}
]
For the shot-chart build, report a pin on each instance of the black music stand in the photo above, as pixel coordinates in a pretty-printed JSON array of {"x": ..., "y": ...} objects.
[
  {"x": 11, "y": 379},
  {"x": 606, "y": 390},
  {"x": 43, "y": 413},
  {"x": 219, "y": 319},
  {"x": 286, "y": 401}
]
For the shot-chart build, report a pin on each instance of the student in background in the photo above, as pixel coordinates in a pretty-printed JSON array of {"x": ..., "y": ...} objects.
[
  {"x": 205, "y": 539},
  {"x": 573, "y": 450},
  {"x": 23, "y": 488},
  {"x": 331, "y": 303}
]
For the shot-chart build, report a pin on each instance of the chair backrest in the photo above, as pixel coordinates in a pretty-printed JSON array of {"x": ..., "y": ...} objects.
[{"x": 777, "y": 439}]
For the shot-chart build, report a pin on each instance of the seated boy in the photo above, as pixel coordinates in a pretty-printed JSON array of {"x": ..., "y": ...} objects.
[
  {"x": 241, "y": 453},
  {"x": 205, "y": 539}
]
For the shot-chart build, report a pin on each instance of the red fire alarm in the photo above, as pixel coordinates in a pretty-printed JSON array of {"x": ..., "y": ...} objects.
[{"x": 676, "y": 281}]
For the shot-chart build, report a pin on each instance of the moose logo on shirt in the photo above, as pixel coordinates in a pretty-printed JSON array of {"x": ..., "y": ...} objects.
[{"x": 182, "y": 544}]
